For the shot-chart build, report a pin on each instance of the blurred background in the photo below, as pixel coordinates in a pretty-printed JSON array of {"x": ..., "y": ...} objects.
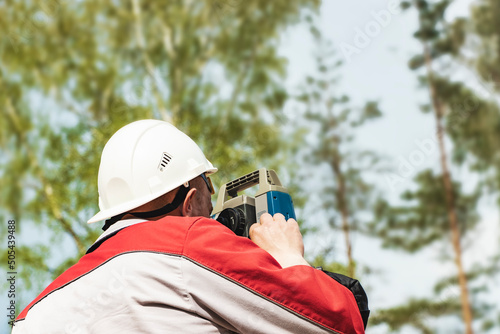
[{"x": 381, "y": 117}]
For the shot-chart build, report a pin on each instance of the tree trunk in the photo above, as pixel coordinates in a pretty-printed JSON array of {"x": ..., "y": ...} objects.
[
  {"x": 342, "y": 206},
  {"x": 450, "y": 198}
]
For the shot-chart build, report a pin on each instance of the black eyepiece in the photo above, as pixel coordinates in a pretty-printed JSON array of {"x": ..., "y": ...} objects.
[{"x": 234, "y": 219}]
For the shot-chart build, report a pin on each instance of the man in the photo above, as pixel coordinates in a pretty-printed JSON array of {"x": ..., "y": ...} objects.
[{"x": 162, "y": 266}]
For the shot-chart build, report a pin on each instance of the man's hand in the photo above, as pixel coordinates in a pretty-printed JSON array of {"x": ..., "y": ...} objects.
[{"x": 280, "y": 238}]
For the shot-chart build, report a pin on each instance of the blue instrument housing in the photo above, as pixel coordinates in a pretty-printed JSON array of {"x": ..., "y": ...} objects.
[{"x": 279, "y": 202}]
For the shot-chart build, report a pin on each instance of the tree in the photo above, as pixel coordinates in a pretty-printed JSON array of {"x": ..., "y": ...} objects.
[
  {"x": 481, "y": 54},
  {"x": 436, "y": 43},
  {"x": 420, "y": 222},
  {"x": 458, "y": 113},
  {"x": 345, "y": 195},
  {"x": 486, "y": 28}
]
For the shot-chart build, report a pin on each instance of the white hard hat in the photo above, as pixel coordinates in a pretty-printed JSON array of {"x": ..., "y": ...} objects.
[{"x": 142, "y": 161}]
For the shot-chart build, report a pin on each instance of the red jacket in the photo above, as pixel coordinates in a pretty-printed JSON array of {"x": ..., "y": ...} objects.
[{"x": 188, "y": 275}]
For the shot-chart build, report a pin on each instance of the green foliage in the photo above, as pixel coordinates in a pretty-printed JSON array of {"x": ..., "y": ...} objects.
[
  {"x": 445, "y": 301},
  {"x": 424, "y": 219},
  {"x": 472, "y": 123},
  {"x": 321, "y": 260},
  {"x": 415, "y": 313},
  {"x": 441, "y": 37},
  {"x": 434, "y": 213},
  {"x": 344, "y": 194},
  {"x": 486, "y": 27}
]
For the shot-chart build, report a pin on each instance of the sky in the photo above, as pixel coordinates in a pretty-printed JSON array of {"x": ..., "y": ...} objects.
[{"x": 377, "y": 70}]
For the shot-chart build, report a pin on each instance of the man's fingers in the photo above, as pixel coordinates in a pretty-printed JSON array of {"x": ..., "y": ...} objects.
[
  {"x": 251, "y": 230},
  {"x": 265, "y": 218},
  {"x": 279, "y": 217},
  {"x": 278, "y": 221},
  {"x": 279, "y": 237}
]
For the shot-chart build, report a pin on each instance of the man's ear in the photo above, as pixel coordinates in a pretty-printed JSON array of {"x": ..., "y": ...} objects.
[{"x": 187, "y": 206}]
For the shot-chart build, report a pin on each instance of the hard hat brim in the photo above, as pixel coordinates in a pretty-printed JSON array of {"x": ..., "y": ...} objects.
[{"x": 106, "y": 214}]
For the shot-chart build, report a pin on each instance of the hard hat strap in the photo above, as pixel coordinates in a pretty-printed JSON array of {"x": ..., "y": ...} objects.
[{"x": 178, "y": 200}]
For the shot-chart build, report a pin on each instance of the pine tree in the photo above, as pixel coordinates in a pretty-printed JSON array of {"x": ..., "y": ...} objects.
[
  {"x": 439, "y": 208},
  {"x": 345, "y": 195}
]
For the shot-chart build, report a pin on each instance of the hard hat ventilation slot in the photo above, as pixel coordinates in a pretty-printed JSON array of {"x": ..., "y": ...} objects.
[{"x": 165, "y": 160}]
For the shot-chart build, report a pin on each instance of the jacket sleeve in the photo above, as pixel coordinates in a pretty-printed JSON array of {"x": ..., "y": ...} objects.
[
  {"x": 235, "y": 283},
  {"x": 357, "y": 290}
]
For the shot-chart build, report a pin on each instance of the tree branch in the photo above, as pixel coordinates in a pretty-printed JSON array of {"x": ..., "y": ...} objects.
[
  {"x": 150, "y": 69},
  {"x": 46, "y": 187}
]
